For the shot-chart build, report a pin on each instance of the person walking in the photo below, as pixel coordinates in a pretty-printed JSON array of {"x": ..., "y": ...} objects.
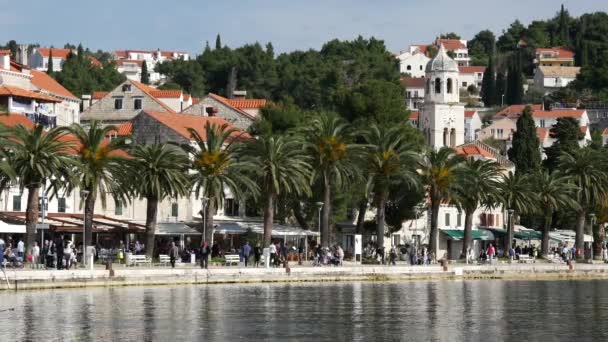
[
  {"x": 59, "y": 246},
  {"x": 173, "y": 254},
  {"x": 273, "y": 253},
  {"x": 340, "y": 254},
  {"x": 246, "y": 252},
  {"x": 257, "y": 255},
  {"x": 35, "y": 255},
  {"x": 205, "y": 251},
  {"x": 21, "y": 249},
  {"x": 67, "y": 254}
]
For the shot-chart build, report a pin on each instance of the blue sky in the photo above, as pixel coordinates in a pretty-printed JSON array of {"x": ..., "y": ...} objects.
[{"x": 288, "y": 24}]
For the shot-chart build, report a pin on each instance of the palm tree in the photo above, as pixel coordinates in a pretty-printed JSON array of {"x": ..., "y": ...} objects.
[
  {"x": 215, "y": 164},
  {"x": 585, "y": 170},
  {"x": 554, "y": 192},
  {"x": 333, "y": 158},
  {"x": 158, "y": 172},
  {"x": 390, "y": 160},
  {"x": 282, "y": 169},
  {"x": 479, "y": 179},
  {"x": 439, "y": 172},
  {"x": 517, "y": 198},
  {"x": 99, "y": 168},
  {"x": 36, "y": 156}
]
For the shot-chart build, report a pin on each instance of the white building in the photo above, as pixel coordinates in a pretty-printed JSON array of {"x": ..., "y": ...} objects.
[
  {"x": 442, "y": 116},
  {"x": 412, "y": 63},
  {"x": 551, "y": 78},
  {"x": 39, "y": 59},
  {"x": 471, "y": 75},
  {"x": 130, "y": 62},
  {"x": 414, "y": 92},
  {"x": 472, "y": 125}
]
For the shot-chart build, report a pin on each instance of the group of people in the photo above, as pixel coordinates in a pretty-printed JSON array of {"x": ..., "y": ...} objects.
[
  {"x": 328, "y": 256},
  {"x": 11, "y": 253}
]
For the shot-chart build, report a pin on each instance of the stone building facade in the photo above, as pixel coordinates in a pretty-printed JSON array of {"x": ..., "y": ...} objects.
[{"x": 223, "y": 109}]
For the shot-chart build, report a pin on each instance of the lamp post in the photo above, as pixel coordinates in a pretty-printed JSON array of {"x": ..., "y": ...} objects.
[
  {"x": 319, "y": 207},
  {"x": 592, "y": 222},
  {"x": 510, "y": 230},
  {"x": 84, "y": 194},
  {"x": 204, "y": 215},
  {"x": 502, "y": 100},
  {"x": 44, "y": 202}
]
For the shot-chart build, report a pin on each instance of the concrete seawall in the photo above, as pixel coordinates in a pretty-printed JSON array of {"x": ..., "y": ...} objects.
[{"x": 46, "y": 279}]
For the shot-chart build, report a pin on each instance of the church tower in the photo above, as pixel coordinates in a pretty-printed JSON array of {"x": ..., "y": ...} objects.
[{"x": 442, "y": 114}]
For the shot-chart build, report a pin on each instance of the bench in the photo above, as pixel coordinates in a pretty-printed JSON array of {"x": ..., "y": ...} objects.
[
  {"x": 136, "y": 260},
  {"x": 165, "y": 260},
  {"x": 232, "y": 259},
  {"x": 526, "y": 259}
]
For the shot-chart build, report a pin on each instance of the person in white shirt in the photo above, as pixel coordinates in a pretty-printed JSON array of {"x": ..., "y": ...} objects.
[
  {"x": 36, "y": 255},
  {"x": 20, "y": 249},
  {"x": 273, "y": 253}
]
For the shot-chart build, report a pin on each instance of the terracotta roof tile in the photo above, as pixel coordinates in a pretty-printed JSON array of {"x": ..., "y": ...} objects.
[
  {"x": 451, "y": 44},
  {"x": 45, "y": 82},
  {"x": 165, "y": 94},
  {"x": 566, "y": 113},
  {"x": 5, "y": 52},
  {"x": 149, "y": 90},
  {"x": 559, "y": 52},
  {"x": 515, "y": 110},
  {"x": 15, "y": 91},
  {"x": 471, "y": 69},
  {"x": 181, "y": 122},
  {"x": 412, "y": 82},
  {"x": 559, "y": 71},
  {"x": 57, "y": 53},
  {"x": 469, "y": 113},
  {"x": 195, "y": 100},
  {"x": 98, "y": 95},
  {"x": 226, "y": 102},
  {"x": 14, "y": 119},
  {"x": 247, "y": 103},
  {"x": 95, "y": 62},
  {"x": 414, "y": 115},
  {"x": 124, "y": 129}
]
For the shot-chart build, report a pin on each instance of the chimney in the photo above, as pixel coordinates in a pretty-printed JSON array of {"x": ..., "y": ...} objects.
[
  {"x": 239, "y": 94},
  {"x": 86, "y": 102},
  {"x": 211, "y": 111},
  {"x": 5, "y": 59},
  {"x": 22, "y": 54}
]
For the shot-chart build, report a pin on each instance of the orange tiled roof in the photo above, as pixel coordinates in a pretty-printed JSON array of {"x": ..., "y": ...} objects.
[
  {"x": 412, "y": 82},
  {"x": 226, "y": 102},
  {"x": 57, "y": 53},
  {"x": 247, "y": 103},
  {"x": 542, "y": 133},
  {"x": 14, "y": 119},
  {"x": 414, "y": 115},
  {"x": 469, "y": 113},
  {"x": 124, "y": 129},
  {"x": 559, "y": 52},
  {"x": 181, "y": 122},
  {"x": 5, "y": 52},
  {"x": 15, "y": 91},
  {"x": 98, "y": 95},
  {"x": 149, "y": 90},
  {"x": 567, "y": 113},
  {"x": 195, "y": 100},
  {"x": 605, "y": 132},
  {"x": 95, "y": 62},
  {"x": 173, "y": 94},
  {"x": 516, "y": 110},
  {"x": 451, "y": 44},
  {"x": 45, "y": 82},
  {"x": 471, "y": 69}
]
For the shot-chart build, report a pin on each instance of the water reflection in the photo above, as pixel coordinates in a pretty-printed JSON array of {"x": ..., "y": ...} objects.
[{"x": 442, "y": 311}]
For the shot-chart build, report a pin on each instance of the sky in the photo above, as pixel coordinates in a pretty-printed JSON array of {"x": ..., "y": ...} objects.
[{"x": 185, "y": 25}]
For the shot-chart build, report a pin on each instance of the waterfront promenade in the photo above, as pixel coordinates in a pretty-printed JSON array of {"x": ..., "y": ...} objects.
[{"x": 22, "y": 279}]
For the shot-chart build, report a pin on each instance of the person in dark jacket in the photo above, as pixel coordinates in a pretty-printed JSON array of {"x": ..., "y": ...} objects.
[
  {"x": 59, "y": 250},
  {"x": 246, "y": 251},
  {"x": 173, "y": 254},
  {"x": 205, "y": 251}
]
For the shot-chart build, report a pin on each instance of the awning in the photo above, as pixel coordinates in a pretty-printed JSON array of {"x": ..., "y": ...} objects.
[
  {"x": 458, "y": 234},
  {"x": 528, "y": 235},
  {"x": 278, "y": 230},
  {"x": 173, "y": 228},
  {"x": 568, "y": 236},
  {"x": 498, "y": 232},
  {"x": 12, "y": 228}
]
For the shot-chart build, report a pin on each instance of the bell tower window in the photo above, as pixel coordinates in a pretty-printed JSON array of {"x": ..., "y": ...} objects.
[
  {"x": 445, "y": 137},
  {"x": 437, "y": 85},
  {"x": 449, "y": 84},
  {"x": 453, "y": 138}
]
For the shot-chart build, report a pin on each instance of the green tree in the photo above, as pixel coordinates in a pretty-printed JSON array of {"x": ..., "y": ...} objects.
[
  {"x": 188, "y": 74},
  {"x": 450, "y": 35},
  {"x": 99, "y": 169},
  {"x": 374, "y": 101},
  {"x": 501, "y": 88},
  {"x": 282, "y": 169},
  {"x": 215, "y": 166},
  {"x": 563, "y": 28},
  {"x": 50, "y": 69},
  {"x": 479, "y": 184},
  {"x": 488, "y": 84},
  {"x": 218, "y": 42},
  {"x": 525, "y": 150},
  {"x": 159, "y": 172},
  {"x": 515, "y": 83},
  {"x": 145, "y": 76},
  {"x": 390, "y": 162},
  {"x": 586, "y": 170},
  {"x": 509, "y": 39},
  {"x": 517, "y": 197},
  {"x": 334, "y": 156},
  {"x": 567, "y": 134},
  {"x": 481, "y": 47},
  {"x": 554, "y": 192},
  {"x": 439, "y": 172},
  {"x": 37, "y": 156}
]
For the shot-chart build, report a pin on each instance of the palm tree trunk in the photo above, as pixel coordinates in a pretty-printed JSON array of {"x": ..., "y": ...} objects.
[
  {"x": 433, "y": 241},
  {"x": 325, "y": 212},
  {"x": 268, "y": 218},
  {"x": 580, "y": 233},
  {"x": 380, "y": 218},
  {"x": 544, "y": 245},
  {"x": 509, "y": 238},
  {"x": 468, "y": 226},
  {"x": 297, "y": 213},
  {"x": 89, "y": 212},
  {"x": 598, "y": 241},
  {"x": 361, "y": 216},
  {"x": 209, "y": 211},
  {"x": 31, "y": 216},
  {"x": 151, "y": 217}
]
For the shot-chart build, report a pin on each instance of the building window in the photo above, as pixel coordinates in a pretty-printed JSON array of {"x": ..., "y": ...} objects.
[
  {"x": 464, "y": 84},
  {"x": 447, "y": 219},
  {"x": 118, "y": 208},
  {"x": 231, "y": 207},
  {"x": 437, "y": 85},
  {"x": 416, "y": 93},
  {"x": 17, "y": 203},
  {"x": 137, "y": 104},
  {"x": 61, "y": 205},
  {"x": 493, "y": 133},
  {"x": 459, "y": 219},
  {"x": 174, "y": 210},
  {"x": 408, "y": 95},
  {"x": 449, "y": 85},
  {"x": 421, "y": 67},
  {"x": 117, "y": 103},
  {"x": 396, "y": 239},
  {"x": 542, "y": 123},
  {"x": 499, "y": 133},
  {"x": 126, "y": 88},
  {"x": 409, "y": 67}
]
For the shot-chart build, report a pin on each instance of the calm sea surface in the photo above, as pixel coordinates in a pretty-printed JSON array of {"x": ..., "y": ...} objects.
[{"x": 393, "y": 311}]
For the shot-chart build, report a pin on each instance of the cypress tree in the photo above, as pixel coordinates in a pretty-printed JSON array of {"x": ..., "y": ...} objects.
[
  {"x": 525, "y": 152},
  {"x": 515, "y": 85},
  {"x": 49, "y": 69},
  {"x": 501, "y": 88},
  {"x": 563, "y": 34},
  {"x": 488, "y": 85},
  {"x": 145, "y": 77},
  {"x": 218, "y": 42}
]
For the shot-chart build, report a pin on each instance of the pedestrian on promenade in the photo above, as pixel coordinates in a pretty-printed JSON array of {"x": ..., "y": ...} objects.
[
  {"x": 257, "y": 255},
  {"x": 273, "y": 253},
  {"x": 205, "y": 251},
  {"x": 21, "y": 249},
  {"x": 120, "y": 253},
  {"x": 246, "y": 252},
  {"x": 173, "y": 254},
  {"x": 1, "y": 253},
  {"x": 59, "y": 246},
  {"x": 340, "y": 254},
  {"x": 36, "y": 255},
  {"x": 491, "y": 253},
  {"x": 67, "y": 254},
  {"x": 392, "y": 255}
]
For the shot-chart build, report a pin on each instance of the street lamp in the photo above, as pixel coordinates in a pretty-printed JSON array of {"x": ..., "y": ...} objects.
[
  {"x": 204, "y": 215},
  {"x": 592, "y": 223},
  {"x": 510, "y": 229},
  {"x": 502, "y": 100},
  {"x": 319, "y": 207},
  {"x": 84, "y": 194}
]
